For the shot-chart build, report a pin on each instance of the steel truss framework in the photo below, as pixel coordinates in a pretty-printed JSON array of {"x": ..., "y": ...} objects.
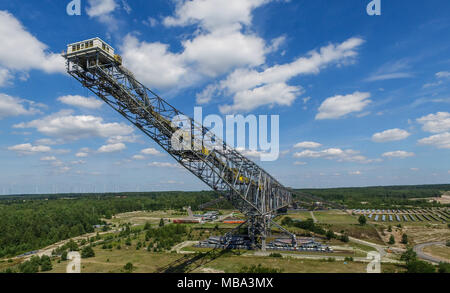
[{"x": 247, "y": 186}]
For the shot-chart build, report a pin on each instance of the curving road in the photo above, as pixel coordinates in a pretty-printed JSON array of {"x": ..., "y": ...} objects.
[{"x": 419, "y": 250}]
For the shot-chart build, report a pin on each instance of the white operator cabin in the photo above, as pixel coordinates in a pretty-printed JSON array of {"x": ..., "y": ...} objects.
[{"x": 95, "y": 44}]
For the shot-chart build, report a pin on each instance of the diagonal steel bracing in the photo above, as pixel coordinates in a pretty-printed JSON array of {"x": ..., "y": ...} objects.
[{"x": 247, "y": 186}]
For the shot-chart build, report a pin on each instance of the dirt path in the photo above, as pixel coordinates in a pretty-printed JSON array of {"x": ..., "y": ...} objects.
[
  {"x": 181, "y": 245},
  {"x": 313, "y": 217}
]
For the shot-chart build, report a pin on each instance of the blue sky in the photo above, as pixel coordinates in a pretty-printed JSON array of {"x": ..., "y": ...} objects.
[{"x": 363, "y": 100}]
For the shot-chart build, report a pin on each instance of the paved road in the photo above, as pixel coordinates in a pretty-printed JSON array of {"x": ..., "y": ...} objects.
[{"x": 419, "y": 250}]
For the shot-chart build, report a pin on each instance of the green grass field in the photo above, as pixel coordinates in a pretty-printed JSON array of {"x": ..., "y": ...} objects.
[{"x": 107, "y": 261}]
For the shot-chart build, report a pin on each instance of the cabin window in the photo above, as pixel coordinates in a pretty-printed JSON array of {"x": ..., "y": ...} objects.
[
  {"x": 82, "y": 46},
  {"x": 103, "y": 47},
  {"x": 91, "y": 43},
  {"x": 86, "y": 45},
  {"x": 78, "y": 47},
  {"x": 74, "y": 48}
]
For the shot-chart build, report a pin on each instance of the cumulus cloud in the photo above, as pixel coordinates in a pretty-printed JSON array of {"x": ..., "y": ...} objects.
[
  {"x": 48, "y": 159},
  {"x": 398, "y": 154},
  {"x": 98, "y": 8},
  {"x": 81, "y": 155},
  {"x": 29, "y": 149},
  {"x": 334, "y": 154},
  {"x": 220, "y": 43},
  {"x": 111, "y": 148},
  {"x": 307, "y": 145},
  {"x": 339, "y": 106},
  {"x": 443, "y": 74},
  {"x": 390, "y": 135},
  {"x": 5, "y": 76},
  {"x": 82, "y": 102},
  {"x": 163, "y": 165},
  {"x": 138, "y": 157},
  {"x": 435, "y": 123},
  {"x": 21, "y": 51},
  {"x": 355, "y": 173},
  {"x": 70, "y": 127},
  {"x": 279, "y": 94},
  {"x": 11, "y": 106},
  {"x": 441, "y": 140},
  {"x": 151, "y": 152},
  {"x": 214, "y": 14},
  {"x": 249, "y": 85}
]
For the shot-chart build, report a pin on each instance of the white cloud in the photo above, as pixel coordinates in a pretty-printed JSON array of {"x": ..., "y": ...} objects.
[
  {"x": 163, "y": 165},
  {"x": 122, "y": 138},
  {"x": 81, "y": 155},
  {"x": 443, "y": 74},
  {"x": 21, "y": 51},
  {"x": 398, "y": 154},
  {"x": 390, "y": 135},
  {"x": 66, "y": 126},
  {"x": 392, "y": 70},
  {"x": 79, "y": 101},
  {"x": 151, "y": 152},
  {"x": 111, "y": 148},
  {"x": 5, "y": 76},
  {"x": 441, "y": 140},
  {"x": 28, "y": 149},
  {"x": 11, "y": 106},
  {"x": 100, "y": 7},
  {"x": 138, "y": 157},
  {"x": 355, "y": 173},
  {"x": 165, "y": 70},
  {"x": 216, "y": 53},
  {"x": 299, "y": 163},
  {"x": 334, "y": 154},
  {"x": 279, "y": 94},
  {"x": 414, "y": 169},
  {"x": 339, "y": 106},
  {"x": 307, "y": 145},
  {"x": 248, "y": 85},
  {"x": 48, "y": 159},
  {"x": 435, "y": 123},
  {"x": 214, "y": 14}
]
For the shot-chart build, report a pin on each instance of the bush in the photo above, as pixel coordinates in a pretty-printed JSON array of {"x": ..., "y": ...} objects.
[
  {"x": 330, "y": 235},
  {"x": 444, "y": 267},
  {"x": 46, "y": 264},
  {"x": 275, "y": 254},
  {"x": 391, "y": 240},
  {"x": 409, "y": 256},
  {"x": 87, "y": 252},
  {"x": 259, "y": 270},
  {"x": 128, "y": 267},
  {"x": 64, "y": 256},
  {"x": 348, "y": 259},
  {"x": 344, "y": 238},
  {"x": 420, "y": 267},
  {"x": 362, "y": 220},
  {"x": 405, "y": 239}
]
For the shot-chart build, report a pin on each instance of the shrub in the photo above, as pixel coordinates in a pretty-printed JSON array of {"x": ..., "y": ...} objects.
[{"x": 87, "y": 252}]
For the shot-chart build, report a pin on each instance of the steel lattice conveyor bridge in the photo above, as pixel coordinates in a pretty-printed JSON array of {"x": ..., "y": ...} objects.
[{"x": 247, "y": 186}]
